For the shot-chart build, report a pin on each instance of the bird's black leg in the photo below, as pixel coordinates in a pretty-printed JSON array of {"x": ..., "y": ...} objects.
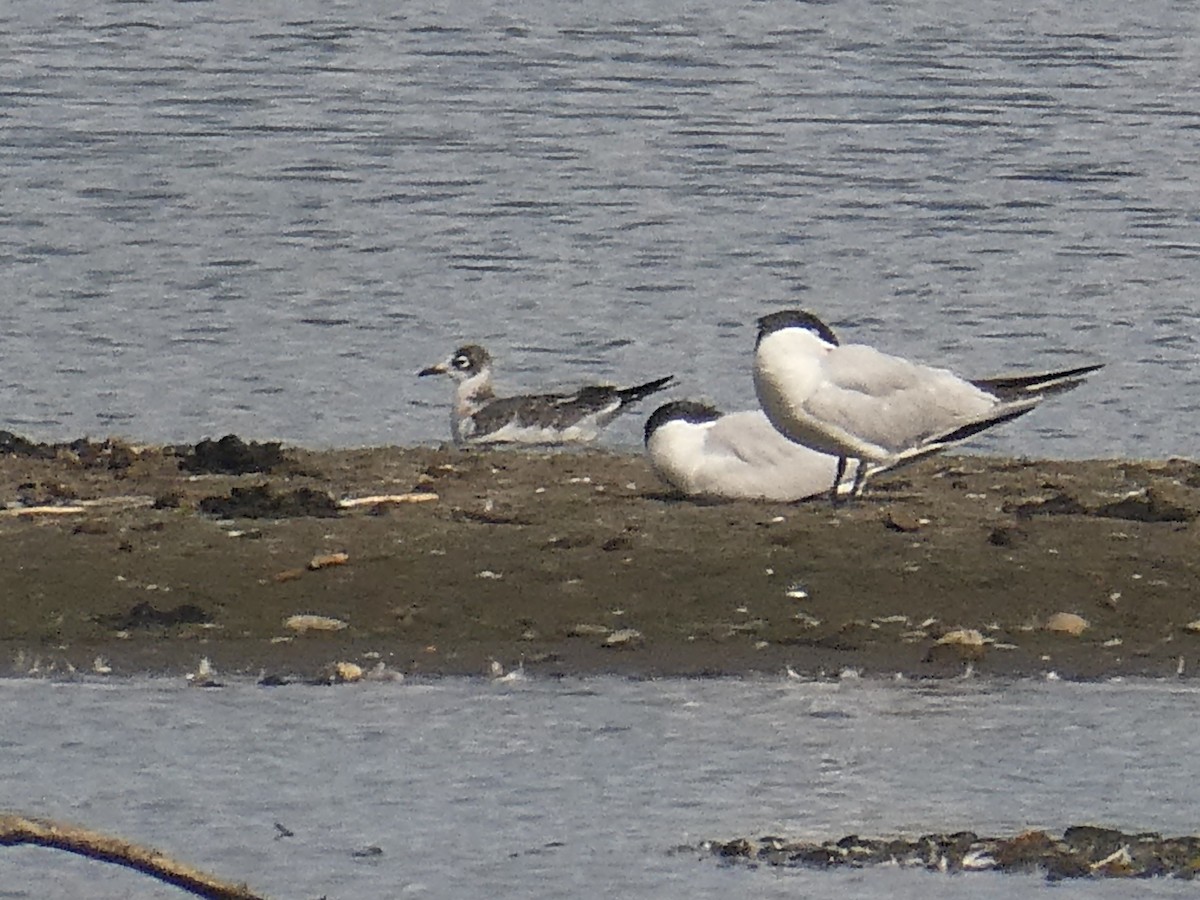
[
  {"x": 837, "y": 479},
  {"x": 860, "y": 479}
]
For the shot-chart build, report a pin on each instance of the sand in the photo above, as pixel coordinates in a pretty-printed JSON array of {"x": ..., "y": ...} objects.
[{"x": 584, "y": 563}]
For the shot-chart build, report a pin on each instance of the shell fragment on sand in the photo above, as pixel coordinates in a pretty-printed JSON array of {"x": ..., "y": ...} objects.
[
  {"x": 325, "y": 560},
  {"x": 624, "y": 638},
  {"x": 305, "y": 622},
  {"x": 587, "y": 629}
]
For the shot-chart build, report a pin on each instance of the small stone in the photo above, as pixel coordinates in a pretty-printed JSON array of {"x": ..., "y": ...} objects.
[
  {"x": 962, "y": 637},
  {"x": 899, "y": 520},
  {"x": 624, "y": 638},
  {"x": 382, "y": 673},
  {"x": 347, "y": 672},
  {"x": 963, "y": 643},
  {"x": 1067, "y": 623},
  {"x": 341, "y": 673},
  {"x": 1192, "y": 627}
]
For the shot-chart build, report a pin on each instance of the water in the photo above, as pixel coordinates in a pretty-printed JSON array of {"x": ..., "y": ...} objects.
[
  {"x": 265, "y": 218},
  {"x": 580, "y": 787}
]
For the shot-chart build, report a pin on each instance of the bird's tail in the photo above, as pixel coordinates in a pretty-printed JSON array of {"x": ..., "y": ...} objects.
[
  {"x": 1044, "y": 384},
  {"x": 637, "y": 392},
  {"x": 1004, "y": 412}
]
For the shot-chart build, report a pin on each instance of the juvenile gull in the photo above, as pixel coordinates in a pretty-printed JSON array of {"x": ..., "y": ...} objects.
[
  {"x": 480, "y": 417},
  {"x": 855, "y": 402}
]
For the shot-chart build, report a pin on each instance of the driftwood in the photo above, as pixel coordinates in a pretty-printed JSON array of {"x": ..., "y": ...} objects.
[
  {"x": 80, "y": 506},
  {"x": 380, "y": 499},
  {"x": 119, "y": 503},
  {"x": 15, "y": 829}
]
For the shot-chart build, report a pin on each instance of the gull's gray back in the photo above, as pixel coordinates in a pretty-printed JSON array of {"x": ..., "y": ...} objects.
[
  {"x": 891, "y": 402},
  {"x": 750, "y": 458}
]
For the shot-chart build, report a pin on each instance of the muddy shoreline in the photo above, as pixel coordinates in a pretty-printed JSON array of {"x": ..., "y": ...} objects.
[
  {"x": 583, "y": 563},
  {"x": 1082, "y": 851}
]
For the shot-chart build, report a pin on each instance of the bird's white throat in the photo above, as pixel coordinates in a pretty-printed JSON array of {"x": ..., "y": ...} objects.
[{"x": 787, "y": 371}]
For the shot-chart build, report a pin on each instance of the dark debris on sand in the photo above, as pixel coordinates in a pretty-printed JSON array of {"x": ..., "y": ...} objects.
[
  {"x": 231, "y": 456},
  {"x": 107, "y": 454},
  {"x": 147, "y": 615},
  {"x": 261, "y": 502},
  {"x": 1083, "y": 851},
  {"x": 1150, "y": 505}
]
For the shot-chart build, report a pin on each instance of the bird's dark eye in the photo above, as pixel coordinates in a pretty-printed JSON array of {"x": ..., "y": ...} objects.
[{"x": 461, "y": 362}]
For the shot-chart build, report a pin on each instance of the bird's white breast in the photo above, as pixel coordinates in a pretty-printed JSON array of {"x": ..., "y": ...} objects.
[
  {"x": 676, "y": 452},
  {"x": 788, "y": 371}
]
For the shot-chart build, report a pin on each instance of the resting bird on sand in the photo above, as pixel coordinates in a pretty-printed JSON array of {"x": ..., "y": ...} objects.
[
  {"x": 480, "y": 417},
  {"x": 740, "y": 456},
  {"x": 855, "y": 402}
]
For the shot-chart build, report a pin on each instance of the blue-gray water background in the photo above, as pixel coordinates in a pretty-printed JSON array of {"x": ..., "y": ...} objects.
[
  {"x": 549, "y": 789},
  {"x": 264, "y": 218}
]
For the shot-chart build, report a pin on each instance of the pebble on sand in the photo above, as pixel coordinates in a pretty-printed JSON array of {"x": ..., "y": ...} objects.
[
  {"x": 965, "y": 643},
  {"x": 1067, "y": 623},
  {"x": 341, "y": 673}
]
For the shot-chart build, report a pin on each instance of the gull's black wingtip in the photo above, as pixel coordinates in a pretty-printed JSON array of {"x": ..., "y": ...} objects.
[
  {"x": 638, "y": 391},
  {"x": 1012, "y": 387}
]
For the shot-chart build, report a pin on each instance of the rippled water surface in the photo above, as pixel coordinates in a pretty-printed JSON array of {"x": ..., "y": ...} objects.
[
  {"x": 266, "y": 217},
  {"x": 582, "y": 788}
]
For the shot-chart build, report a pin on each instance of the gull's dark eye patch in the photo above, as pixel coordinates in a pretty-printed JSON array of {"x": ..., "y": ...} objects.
[{"x": 462, "y": 361}]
